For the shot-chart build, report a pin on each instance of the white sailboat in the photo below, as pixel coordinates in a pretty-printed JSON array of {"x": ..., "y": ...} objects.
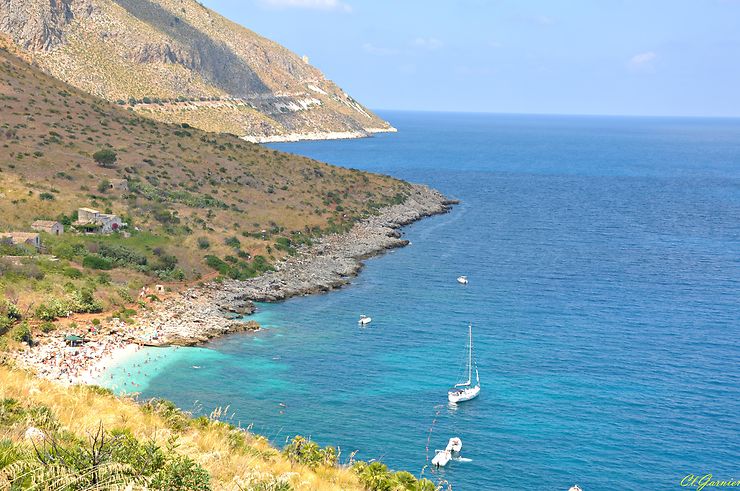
[{"x": 465, "y": 391}]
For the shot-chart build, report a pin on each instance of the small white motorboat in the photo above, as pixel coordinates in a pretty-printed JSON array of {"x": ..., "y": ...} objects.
[
  {"x": 575, "y": 487},
  {"x": 364, "y": 320},
  {"x": 463, "y": 280}
]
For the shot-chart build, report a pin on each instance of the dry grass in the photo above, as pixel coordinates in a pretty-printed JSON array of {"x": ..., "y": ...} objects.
[{"x": 80, "y": 410}]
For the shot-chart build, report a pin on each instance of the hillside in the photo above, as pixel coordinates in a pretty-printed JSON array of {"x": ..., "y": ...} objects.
[
  {"x": 196, "y": 202},
  {"x": 177, "y": 61},
  {"x": 56, "y": 438}
]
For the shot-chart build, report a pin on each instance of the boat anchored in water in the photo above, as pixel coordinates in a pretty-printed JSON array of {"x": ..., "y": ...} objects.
[
  {"x": 364, "y": 320},
  {"x": 463, "y": 280},
  {"x": 464, "y": 391},
  {"x": 442, "y": 457}
]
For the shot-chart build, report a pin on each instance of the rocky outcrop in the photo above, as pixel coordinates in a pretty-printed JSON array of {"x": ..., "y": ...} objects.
[
  {"x": 35, "y": 26},
  {"x": 177, "y": 50},
  {"x": 201, "y": 313}
]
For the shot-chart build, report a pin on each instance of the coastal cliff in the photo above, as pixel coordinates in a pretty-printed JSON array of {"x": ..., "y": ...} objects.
[
  {"x": 176, "y": 61},
  {"x": 207, "y": 311}
]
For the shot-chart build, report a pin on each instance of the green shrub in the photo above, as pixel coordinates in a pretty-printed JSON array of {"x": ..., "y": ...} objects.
[
  {"x": 53, "y": 309},
  {"x": 5, "y": 324},
  {"x": 96, "y": 262},
  {"x": 22, "y": 333},
  {"x": 377, "y": 477},
  {"x": 84, "y": 302},
  {"x": 80, "y": 301},
  {"x": 310, "y": 454},
  {"x": 204, "y": 243},
  {"x": 10, "y": 310},
  {"x": 47, "y": 327},
  {"x": 105, "y": 158},
  {"x": 104, "y": 186},
  {"x": 216, "y": 263},
  {"x": 182, "y": 474},
  {"x": 233, "y": 242},
  {"x": 71, "y": 272},
  {"x": 46, "y": 196},
  {"x": 121, "y": 254}
]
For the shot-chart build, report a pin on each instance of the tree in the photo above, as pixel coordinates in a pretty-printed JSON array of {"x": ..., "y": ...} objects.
[
  {"x": 104, "y": 186},
  {"x": 105, "y": 157}
]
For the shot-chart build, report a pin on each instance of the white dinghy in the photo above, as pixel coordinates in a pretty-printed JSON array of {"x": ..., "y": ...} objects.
[
  {"x": 443, "y": 457},
  {"x": 463, "y": 280},
  {"x": 364, "y": 320}
]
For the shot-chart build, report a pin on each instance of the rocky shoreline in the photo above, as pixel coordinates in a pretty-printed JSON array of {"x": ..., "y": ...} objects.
[{"x": 200, "y": 313}]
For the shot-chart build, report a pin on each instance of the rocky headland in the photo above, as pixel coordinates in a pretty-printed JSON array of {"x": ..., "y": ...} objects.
[{"x": 216, "y": 308}]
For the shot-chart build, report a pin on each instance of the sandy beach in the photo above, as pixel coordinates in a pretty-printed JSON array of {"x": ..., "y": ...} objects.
[{"x": 54, "y": 358}]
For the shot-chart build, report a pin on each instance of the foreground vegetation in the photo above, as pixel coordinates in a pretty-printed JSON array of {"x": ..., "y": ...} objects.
[{"x": 82, "y": 438}]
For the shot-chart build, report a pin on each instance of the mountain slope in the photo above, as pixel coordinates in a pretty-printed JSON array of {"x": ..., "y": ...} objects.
[
  {"x": 188, "y": 190},
  {"x": 177, "y": 61}
]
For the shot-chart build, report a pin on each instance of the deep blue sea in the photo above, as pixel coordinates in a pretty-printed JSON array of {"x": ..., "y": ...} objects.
[{"x": 604, "y": 263}]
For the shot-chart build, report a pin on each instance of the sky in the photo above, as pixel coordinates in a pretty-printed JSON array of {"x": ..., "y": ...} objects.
[{"x": 626, "y": 57}]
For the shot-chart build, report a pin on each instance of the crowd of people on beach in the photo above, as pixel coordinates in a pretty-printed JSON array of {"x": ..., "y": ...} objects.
[{"x": 78, "y": 361}]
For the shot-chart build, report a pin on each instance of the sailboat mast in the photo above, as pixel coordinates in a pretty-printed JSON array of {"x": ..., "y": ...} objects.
[{"x": 470, "y": 353}]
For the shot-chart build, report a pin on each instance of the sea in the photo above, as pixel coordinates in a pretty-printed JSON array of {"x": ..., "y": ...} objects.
[{"x": 603, "y": 257}]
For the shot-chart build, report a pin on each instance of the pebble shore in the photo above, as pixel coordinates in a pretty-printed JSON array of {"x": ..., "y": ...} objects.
[
  {"x": 194, "y": 316},
  {"x": 200, "y": 313}
]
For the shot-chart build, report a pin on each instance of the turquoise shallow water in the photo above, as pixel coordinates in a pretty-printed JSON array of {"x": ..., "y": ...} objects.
[{"x": 604, "y": 265}]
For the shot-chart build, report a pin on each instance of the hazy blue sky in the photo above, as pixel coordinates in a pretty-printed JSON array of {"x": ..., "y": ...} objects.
[{"x": 643, "y": 57}]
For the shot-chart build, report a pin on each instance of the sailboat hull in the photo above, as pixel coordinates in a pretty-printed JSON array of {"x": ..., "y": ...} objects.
[{"x": 463, "y": 395}]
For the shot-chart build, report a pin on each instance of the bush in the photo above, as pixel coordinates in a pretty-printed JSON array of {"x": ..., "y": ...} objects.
[
  {"x": 104, "y": 186},
  {"x": 80, "y": 301},
  {"x": 377, "y": 477},
  {"x": 121, "y": 255},
  {"x": 71, "y": 272},
  {"x": 53, "y": 309},
  {"x": 5, "y": 324},
  {"x": 96, "y": 262},
  {"x": 22, "y": 333},
  {"x": 204, "y": 243},
  {"x": 310, "y": 454},
  {"x": 165, "y": 216},
  {"x": 10, "y": 310},
  {"x": 84, "y": 302},
  {"x": 182, "y": 474},
  {"x": 47, "y": 327},
  {"x": 105, "y": 158},
  {"x": 46, "y": 196},
  {"x": 233, "y": 242},
  {"x": 216, "y": 263}
]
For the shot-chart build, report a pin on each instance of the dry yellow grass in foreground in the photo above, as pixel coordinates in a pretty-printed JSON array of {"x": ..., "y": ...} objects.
[{"x": 234, "y": 459}]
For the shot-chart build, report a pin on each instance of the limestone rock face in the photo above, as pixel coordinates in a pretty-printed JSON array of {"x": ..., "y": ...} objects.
[{"x": 177, "y": 61}]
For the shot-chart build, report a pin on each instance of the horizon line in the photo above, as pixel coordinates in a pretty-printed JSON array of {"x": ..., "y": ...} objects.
[{"x": 596, "y": 115}]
